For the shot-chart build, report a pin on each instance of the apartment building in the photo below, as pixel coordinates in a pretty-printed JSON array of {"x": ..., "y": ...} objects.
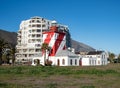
[{"x": 30, "y": 37}]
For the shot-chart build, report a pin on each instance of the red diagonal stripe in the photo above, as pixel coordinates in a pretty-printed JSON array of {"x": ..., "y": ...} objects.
[{"x": 57, "y": 43}]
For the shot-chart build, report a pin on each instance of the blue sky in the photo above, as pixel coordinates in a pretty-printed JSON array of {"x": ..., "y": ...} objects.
[{"x": 93, "y": 22}]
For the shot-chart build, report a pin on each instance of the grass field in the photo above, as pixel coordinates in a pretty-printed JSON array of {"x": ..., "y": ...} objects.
[{"x": 60, "y": 77}]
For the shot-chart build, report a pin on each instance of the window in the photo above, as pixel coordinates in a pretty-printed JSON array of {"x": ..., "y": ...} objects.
[
  {"x": 103, "y": 56},
  {"x": 37, "y": 45},
  {"x": 33, "y": 35},
  {"x": 33, "y": 21},
  {"x": 71, "y": 62},
  {"x": 48, "y": 23},
  {"x": 38, "y": 21},
  {"x": 58, "y": 62},
  {"x": 43, "y": 25},
  {"x": 75, "y": 62},
  {"x": 29, "y": 25},
  {"x": 38, "y": 30},
  {"x": 38, "y": 40},
  {"x": 37, "y": 50},
  {"x": 38, "y": 25},
  {"x": 33, "y": 25},
  {"x": 33, "y": 30},
  {"x": 90, "y": 61},
  {"x": 63, "y": 61},
  {"x": 25, "y": 55},
  {"x": 38, "y": 35},
  {"x": 29, "y": 31}
]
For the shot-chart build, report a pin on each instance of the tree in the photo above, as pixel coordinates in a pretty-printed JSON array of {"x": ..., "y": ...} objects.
[
  {"x": 7, "y": 56},
  {"x": 44, "y": 49},
  {"x": 111, "y": 57},
  {"x": 3, "y": 46},
  {"x": 12, "y": 53},
  {"x": 119, "y": 58}
]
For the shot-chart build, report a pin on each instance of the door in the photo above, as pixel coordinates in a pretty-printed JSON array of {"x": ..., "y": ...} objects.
[{"x": 58, "y": 62}]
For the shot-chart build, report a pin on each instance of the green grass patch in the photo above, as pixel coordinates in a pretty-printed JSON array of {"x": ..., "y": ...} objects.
[
  {"x": 30, "y": 70},
  {"x": 60, "y": 77},
  {"x": 8, "y": 85}
]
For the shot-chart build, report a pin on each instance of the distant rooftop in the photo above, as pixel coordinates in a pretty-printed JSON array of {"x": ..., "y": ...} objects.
[{"x": 95, "y": 52}]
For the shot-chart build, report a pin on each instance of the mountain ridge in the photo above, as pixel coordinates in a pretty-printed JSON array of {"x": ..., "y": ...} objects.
[{"x": 11, "y": 37}]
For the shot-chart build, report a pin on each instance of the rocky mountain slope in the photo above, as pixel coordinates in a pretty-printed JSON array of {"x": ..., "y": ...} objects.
[
  {"x": 10, "y": 37},
  {"x": 80, "y": 46}
]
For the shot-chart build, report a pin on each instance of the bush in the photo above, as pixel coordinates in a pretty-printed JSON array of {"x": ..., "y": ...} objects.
[{"x": 48, "y": 62}]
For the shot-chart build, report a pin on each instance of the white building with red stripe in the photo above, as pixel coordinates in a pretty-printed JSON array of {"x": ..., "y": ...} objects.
[{"x": 59, "y": 55}]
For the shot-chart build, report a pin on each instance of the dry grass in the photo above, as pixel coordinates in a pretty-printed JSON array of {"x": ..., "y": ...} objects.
[{"x": 60, "y": 77}]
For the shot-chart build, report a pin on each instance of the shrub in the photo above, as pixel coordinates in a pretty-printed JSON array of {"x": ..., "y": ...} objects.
[{"x": 48, "y": 62}]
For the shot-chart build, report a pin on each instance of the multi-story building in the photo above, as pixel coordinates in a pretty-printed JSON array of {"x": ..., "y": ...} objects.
[{"x": 30, "y": 35}]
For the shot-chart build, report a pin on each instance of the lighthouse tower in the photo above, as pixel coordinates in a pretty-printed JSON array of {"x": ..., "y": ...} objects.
[{"x": 55, "y": 39}]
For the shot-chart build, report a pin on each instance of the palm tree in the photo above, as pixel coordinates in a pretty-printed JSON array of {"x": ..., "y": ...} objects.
[
  {"x": 44, "y": 49},
  {"x": 3, "y": 45}
]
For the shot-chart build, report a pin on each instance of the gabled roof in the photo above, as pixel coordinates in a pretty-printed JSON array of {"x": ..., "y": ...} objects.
[
  {"x": 65, "y": 53},
  {"x": 95, "y": 52}
]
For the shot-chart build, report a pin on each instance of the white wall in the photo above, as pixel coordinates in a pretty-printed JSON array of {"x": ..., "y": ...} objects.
[
  {"x": 55, "y": 60},
  {"x": 67, "y": 60},
  {"x": 85, "y": 61}
]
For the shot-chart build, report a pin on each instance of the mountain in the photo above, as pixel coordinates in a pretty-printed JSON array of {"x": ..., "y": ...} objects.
[
  {"x": 78, "y": 46},
  {"x": 11, "y": 37}
]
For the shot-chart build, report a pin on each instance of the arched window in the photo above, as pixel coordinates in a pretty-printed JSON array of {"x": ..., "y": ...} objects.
[
  {"x": 63, "y": 61},
  {"x": 70, "y": 61},
  {"x": 75, "y": 62}
]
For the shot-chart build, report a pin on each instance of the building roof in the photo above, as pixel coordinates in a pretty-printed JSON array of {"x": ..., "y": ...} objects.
[
  {"x": 36, "y": 17},
  {"x": 65, "y": 53},
  {"x": 95, "y": 52}
]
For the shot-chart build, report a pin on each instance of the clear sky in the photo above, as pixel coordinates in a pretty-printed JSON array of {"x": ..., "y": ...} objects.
[{"x": 93, "y": 22}]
